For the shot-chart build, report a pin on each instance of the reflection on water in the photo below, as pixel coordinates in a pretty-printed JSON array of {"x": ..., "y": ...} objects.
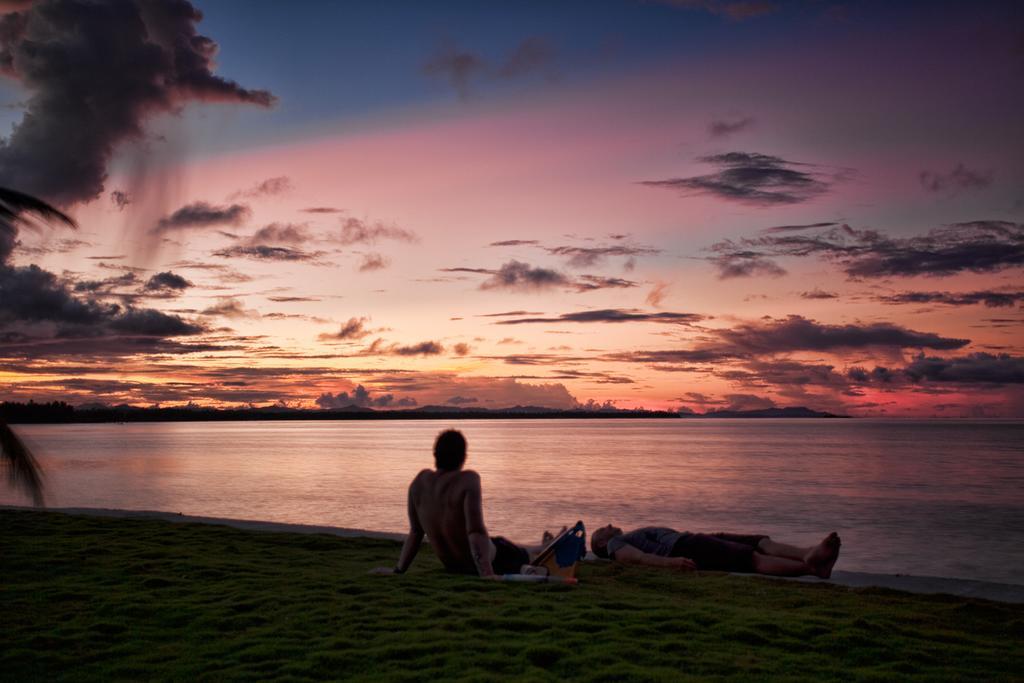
[{"x": 938, "y": 498}]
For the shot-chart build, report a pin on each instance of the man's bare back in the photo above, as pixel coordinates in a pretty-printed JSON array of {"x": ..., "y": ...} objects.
[{"x": 447, "y": 506}]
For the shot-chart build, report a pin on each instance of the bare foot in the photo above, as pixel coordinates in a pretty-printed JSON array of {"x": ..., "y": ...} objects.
[{"x": 823, "y": 556}]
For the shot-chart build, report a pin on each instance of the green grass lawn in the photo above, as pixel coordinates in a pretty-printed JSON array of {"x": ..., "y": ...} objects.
[{"x": 99, "y": 599}]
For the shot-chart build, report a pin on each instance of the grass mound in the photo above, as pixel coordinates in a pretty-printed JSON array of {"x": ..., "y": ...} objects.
[{"x": 98, "y": 599}]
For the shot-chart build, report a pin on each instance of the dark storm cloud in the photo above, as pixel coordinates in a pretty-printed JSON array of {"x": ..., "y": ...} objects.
[
  {"x": 990, "y": 298},
  {"x": 785, "y": 372},
  {"x": 360, "y": 397},
  {"x": 720, "y": 128},
  {"x": 583, "y": 257},
  {"x": 763, "y": 340},
  {"x": 929, "y": 374},
  {"x": 102, "y": 348},
  {"x": 152, "y": 323},
  {"x": 355, "y": 231},
  {"x": 203, "y": 215},
  {"x": 960, "y": 178},
  {"x": 354, "y": 328},
  {"x": 31, "y": 294},
  {"x": 267, "y": 188},
  {"x": 752, "y": 178},
  {"x": 167, "y": 280},
  {"x": 975, "y": 368},
  {"x": 36, "y": 307},
  {"x": 796, "y": 333},
  {"x": 152, "y": 62},
  {"x": 975, "y": 246},
  {"x": 262, "y": 252},
  {"x": 611, "y": 315},
  {"x": 461, "y": 400}
]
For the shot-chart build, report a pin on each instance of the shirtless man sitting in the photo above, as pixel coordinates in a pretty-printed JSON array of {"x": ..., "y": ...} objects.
[
  {"x": 685, "y": 551},
  {"x": 446, "y": 504}
]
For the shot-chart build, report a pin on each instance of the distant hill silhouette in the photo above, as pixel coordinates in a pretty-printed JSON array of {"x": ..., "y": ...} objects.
[
  {"x": 795, "y": 411},
  {"x": 24, "y": 413}
]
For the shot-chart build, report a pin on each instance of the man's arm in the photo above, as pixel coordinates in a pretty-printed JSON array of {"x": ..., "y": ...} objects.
[
  {"x": 627, "y": 554},
  {"x": 479, "y": 541},
  {"x": 415, "y": 537}
]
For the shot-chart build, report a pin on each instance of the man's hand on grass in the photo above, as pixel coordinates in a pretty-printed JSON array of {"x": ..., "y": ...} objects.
[{"x": 384, "y": 571}]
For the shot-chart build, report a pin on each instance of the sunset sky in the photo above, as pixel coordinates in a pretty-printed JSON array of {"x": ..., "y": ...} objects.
[{"x": 688, "y": 204}]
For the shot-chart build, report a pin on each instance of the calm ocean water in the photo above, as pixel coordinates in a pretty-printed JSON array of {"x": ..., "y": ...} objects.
[{"x": 938, "y": 498}]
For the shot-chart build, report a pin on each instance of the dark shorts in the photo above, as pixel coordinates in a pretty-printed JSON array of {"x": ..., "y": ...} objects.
[
  {"x": 719, "y": 552},
  {"x": 508, "y": 557}
]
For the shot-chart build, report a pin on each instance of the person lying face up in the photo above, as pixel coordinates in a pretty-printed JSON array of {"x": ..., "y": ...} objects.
[{"x": 667, "y": 548}]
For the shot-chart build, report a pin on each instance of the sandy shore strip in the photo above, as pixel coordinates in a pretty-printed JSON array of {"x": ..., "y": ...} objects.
[{"x": 1002, "y": 592}]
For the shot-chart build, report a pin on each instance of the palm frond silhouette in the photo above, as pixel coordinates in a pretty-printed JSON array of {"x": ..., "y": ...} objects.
[{"x": 19, "y": 208}]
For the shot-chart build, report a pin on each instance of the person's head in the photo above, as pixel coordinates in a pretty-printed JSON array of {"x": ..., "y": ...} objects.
[
  {"x": 599, "y": 539},
  {"x": 450, "y": 450}
]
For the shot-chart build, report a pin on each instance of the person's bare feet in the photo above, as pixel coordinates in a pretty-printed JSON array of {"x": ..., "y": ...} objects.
[{"x": 823, "y": 556}]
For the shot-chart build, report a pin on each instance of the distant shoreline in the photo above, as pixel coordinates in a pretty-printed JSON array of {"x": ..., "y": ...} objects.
[
  {"x": 185, "y": 415},
  {"x": 62, "y": 413}
]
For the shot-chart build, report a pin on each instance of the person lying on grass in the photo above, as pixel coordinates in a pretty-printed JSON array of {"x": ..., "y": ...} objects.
[
  {"x": 685, "y": 551},
  {"x": 446, "y": 504}
]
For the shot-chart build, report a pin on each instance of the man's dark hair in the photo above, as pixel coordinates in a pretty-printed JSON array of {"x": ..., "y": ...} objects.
[{"x": 450, "y": 450}]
